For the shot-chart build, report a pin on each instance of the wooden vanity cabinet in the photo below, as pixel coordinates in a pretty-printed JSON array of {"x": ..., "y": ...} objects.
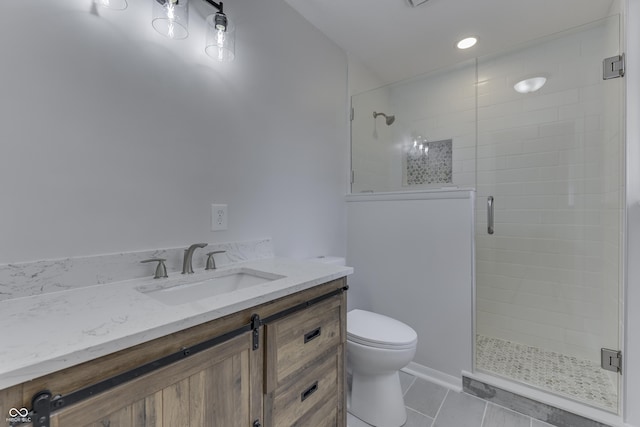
[
  {"x": 221, "y": 386},
  {"x": 296, "y": 376},
  {"x": 305, "y": 367}
]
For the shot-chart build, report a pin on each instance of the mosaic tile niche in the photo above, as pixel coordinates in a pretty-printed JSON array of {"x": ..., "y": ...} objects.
[{"x": 435, "y": 167}]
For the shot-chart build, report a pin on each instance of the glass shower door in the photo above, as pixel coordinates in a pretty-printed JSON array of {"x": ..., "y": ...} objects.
[{"x": 550, "y": 173}]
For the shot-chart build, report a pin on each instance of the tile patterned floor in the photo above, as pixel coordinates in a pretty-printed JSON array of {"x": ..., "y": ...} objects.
[
  {"x": 431, "y": 405},
  {"x": 569, "y": 376}
]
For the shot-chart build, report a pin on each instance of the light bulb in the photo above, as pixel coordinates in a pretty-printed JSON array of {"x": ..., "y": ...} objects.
[{"x": 220, "y": 38}]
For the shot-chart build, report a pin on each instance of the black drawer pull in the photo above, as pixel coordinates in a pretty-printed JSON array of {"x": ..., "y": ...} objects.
[
  {"x": 312, "y": 335},
  {"x": 308, "y": 392}
]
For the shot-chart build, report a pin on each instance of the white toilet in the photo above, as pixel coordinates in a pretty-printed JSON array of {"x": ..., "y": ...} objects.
[{"x": 377, "y": 348}]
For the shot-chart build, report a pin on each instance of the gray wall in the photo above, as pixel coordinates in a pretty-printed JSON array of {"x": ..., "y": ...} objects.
[
  {"x": 116, "y": 139},
  {"x": 413, "y": 257}
]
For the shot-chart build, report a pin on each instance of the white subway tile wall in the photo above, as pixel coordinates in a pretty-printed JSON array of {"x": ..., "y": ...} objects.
[
  {"x": 438, "y": 106},
  {"x": 371, "y": 142}
]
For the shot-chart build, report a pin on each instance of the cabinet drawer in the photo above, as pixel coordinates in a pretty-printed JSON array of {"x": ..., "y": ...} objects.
[
  {"x": 326, "y": 416},
  {"x": 310, "y": 399},
  {"x": 296, "y": 340}
]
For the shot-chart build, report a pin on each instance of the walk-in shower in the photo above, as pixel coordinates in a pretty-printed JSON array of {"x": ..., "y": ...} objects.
[
  {"x": 550, "y": 162},
  {"x": 549, "y": 166}
]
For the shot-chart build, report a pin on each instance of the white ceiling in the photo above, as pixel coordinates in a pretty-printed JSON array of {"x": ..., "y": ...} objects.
[{"x": 396, "y": 41}]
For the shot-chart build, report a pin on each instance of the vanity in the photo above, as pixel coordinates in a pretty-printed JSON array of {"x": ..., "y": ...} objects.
[{"x": 269, "y": 353}]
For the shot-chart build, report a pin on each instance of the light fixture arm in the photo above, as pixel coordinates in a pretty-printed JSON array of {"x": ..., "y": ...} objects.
[
  {"x": 218, "y": 6},
  {"x": 220, "y": 21}
]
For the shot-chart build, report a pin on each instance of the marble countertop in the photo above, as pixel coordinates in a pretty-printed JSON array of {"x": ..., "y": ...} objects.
[{"x": 46, "y": 333}]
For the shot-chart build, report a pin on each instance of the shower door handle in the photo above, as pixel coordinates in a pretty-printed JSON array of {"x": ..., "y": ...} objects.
[{"x": 490, "y": 214}]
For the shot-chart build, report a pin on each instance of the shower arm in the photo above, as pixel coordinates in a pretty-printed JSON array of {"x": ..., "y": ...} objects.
[{"x": 388, "y": 119}]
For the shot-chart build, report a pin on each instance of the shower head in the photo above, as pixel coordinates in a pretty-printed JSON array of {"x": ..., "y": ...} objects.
[{"x": 388, "y": 119}]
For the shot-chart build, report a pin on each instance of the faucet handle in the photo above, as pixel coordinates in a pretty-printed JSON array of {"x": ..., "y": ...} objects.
[
  {"x": 161, "y": 269},
  {"x": 211, "y": 262}
]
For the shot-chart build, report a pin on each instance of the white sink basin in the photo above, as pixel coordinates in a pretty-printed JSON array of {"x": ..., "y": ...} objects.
[{"x": 220, "y": 283}]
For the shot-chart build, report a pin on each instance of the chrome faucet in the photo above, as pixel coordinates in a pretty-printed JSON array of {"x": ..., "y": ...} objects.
[
  {"x": 211, "y": 262},
  {"x": 187, "y": 266}
]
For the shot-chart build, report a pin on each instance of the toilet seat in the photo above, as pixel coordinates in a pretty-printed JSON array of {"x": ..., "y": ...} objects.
[{"x": 379, "y": 331}]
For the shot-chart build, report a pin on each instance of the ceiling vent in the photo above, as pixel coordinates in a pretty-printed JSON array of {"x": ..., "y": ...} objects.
[{"x": 416, "y": 3}]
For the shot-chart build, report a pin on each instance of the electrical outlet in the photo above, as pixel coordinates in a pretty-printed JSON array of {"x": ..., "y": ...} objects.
[{"x": 218, "y": 217}]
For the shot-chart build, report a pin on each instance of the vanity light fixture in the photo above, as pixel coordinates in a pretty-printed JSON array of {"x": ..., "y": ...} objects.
[
  {"x": 530, "y": 85},
  {"x": 221, "y": 36},
  {"x": 466, "y": 43},
  {"x": 112, "y": 4},
  {"x": 171, "y": 19}
]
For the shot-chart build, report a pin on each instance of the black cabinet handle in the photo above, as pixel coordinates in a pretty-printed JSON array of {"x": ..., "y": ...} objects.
[
  {"x": 308, "y": 392},
  {"x": 312, "y": 335}
]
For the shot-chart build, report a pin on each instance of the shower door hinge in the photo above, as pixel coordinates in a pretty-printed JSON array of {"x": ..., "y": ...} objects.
[
  {"x": 351, "y": 114},
  {"x": 611, "y": 360},
  {"x": 613, "y": 67}
]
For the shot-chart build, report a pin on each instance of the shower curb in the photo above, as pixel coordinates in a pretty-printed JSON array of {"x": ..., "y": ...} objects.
[{"x": 524, "y": 405}]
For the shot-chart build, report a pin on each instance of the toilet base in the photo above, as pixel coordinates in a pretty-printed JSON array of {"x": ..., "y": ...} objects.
[{"x": 378, "y": 400}]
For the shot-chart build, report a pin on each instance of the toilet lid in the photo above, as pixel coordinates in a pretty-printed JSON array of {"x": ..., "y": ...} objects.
[{"x": 376, "y": 330}]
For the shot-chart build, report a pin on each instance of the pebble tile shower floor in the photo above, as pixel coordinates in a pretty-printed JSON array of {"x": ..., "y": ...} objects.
[{"x": 576, "y": 378}]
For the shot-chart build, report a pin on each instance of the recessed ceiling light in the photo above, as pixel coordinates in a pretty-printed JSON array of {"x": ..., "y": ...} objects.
[
  {"x": 467, "y": 43},
  {"x": 530, "y": 85}
]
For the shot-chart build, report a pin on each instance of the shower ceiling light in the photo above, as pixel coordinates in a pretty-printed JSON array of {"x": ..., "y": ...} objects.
[
  {"x": 530, "y": 85},
  {"x": 171, "y": 19},
  {"x": 467, "y": 43}
]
